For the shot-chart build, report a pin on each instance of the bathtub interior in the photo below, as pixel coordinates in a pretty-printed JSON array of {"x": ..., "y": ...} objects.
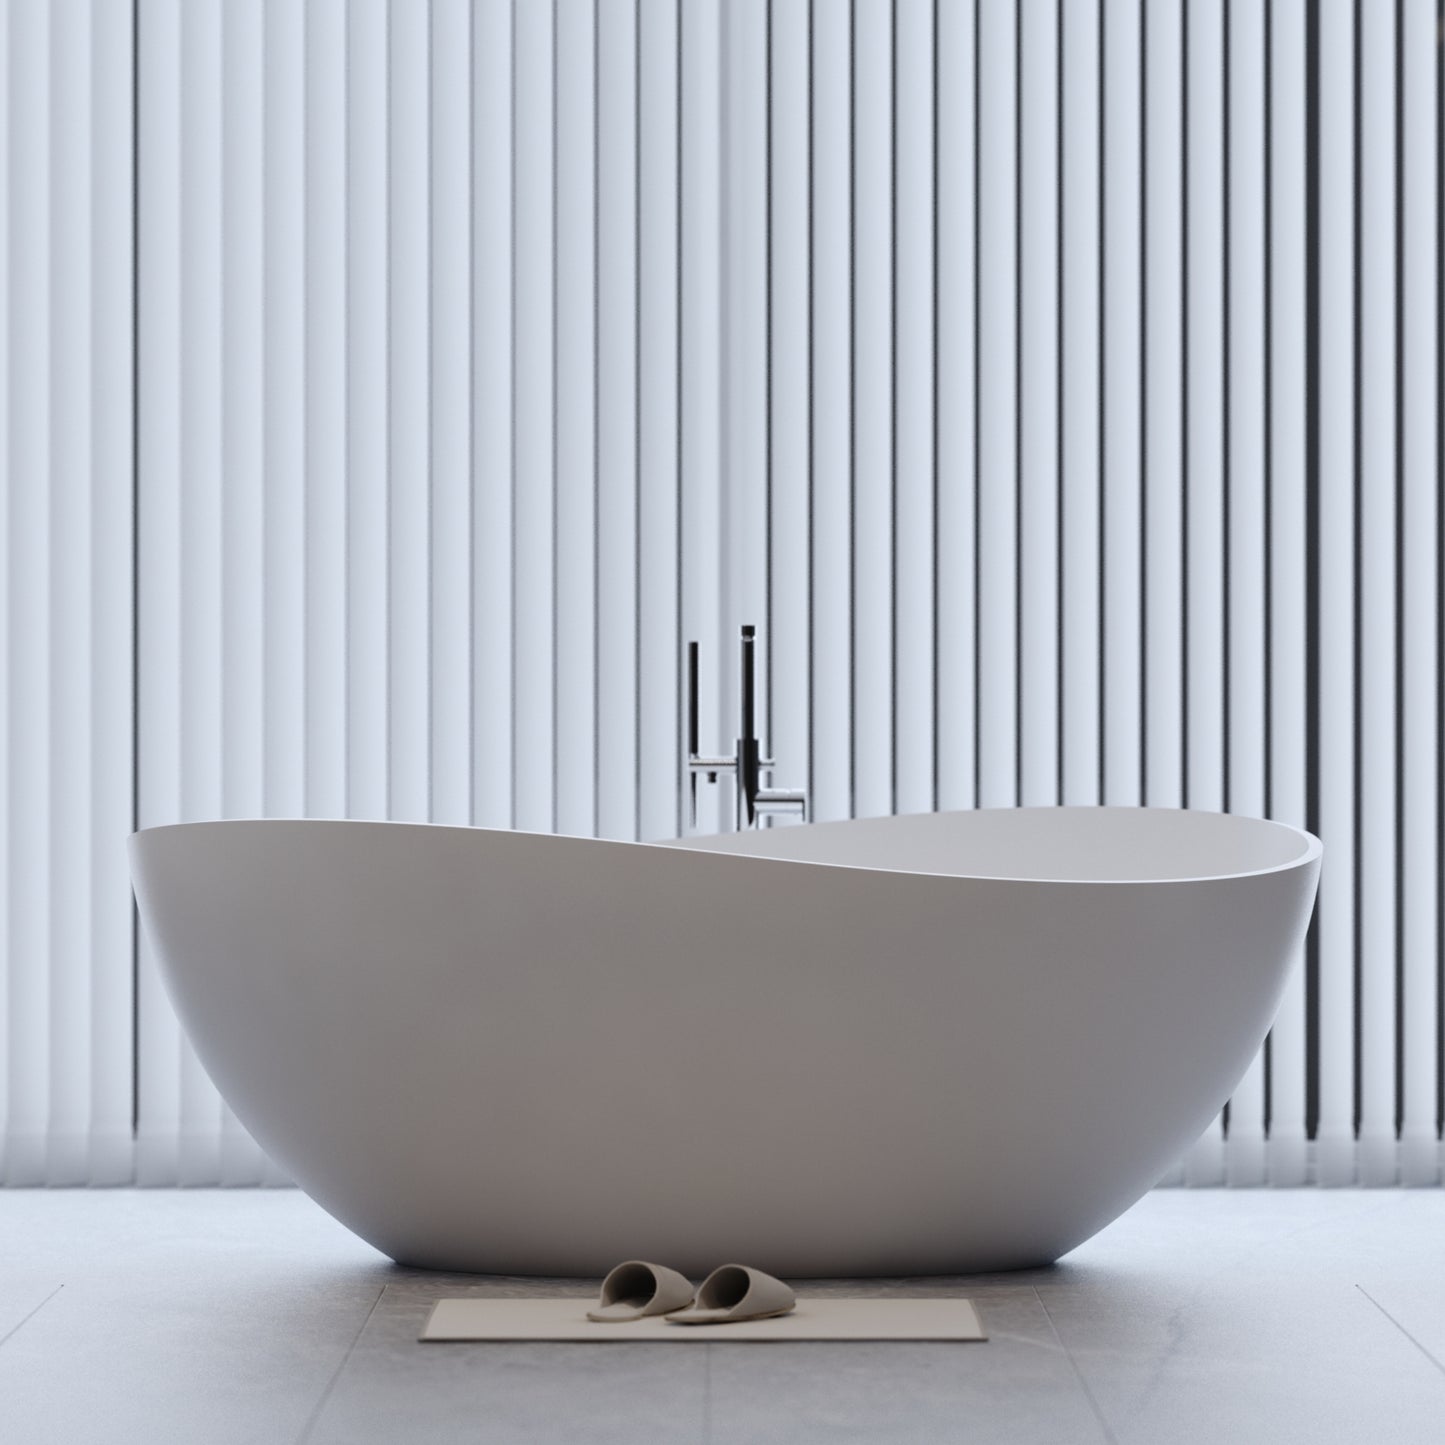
[{"x": 1104, "y": 845}]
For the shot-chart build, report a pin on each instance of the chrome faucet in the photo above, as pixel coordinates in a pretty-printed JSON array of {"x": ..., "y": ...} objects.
[{"x": 754, "y": 801}]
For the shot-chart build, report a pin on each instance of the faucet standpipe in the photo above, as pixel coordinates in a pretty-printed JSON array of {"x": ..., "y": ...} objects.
[{"x": 754, "y": 800}]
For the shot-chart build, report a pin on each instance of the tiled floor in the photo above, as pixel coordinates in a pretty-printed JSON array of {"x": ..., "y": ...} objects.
[{"x": 210, "y": 1317}]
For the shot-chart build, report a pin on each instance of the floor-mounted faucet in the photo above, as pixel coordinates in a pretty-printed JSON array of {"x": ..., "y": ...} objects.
[{"x": 754, "y": 801}]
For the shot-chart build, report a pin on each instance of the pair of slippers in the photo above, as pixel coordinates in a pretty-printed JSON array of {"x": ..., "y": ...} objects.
[{"x": 731, "y": 1293}]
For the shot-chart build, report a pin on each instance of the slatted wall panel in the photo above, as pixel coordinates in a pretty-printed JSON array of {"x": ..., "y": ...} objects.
[
  {"x": 412, "y": 330},
  {"x": 1057, "y": 385},
  {"x": 1118, "y": 330},
  {"x": 65, "y": 600}
]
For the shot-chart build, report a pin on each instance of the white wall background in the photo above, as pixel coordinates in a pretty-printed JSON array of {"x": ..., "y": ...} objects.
[{"x": 390, "y": 390}]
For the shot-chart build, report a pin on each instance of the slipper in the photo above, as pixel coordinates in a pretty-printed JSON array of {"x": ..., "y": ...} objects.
[
  {"x": 734, "y": 1292},
  {"x": 637, "y": 1289}
]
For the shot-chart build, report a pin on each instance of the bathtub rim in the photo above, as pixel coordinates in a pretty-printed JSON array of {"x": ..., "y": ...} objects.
[{"x": 1312, "y": 849}]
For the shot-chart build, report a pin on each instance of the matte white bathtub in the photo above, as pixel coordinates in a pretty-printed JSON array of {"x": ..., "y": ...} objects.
[{"x": 942, "y": 1043}]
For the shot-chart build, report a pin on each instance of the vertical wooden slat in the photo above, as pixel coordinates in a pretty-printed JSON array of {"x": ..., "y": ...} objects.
[
  {"x": 493, "y": 403},
  {"x": 956, "y": 415},
  {"x": 1123, "y": 285},
  {"x": 112, "y": 625},
  {"x": 408, "y": 373},
  {"x": 1204, "y": 447},
  {"x": 832, "y": 299},
  {"x": 67, "y": 535},
  {"x": 1377, "y": 617},
  {"x": 1335, "y": 618},
  {"x": 1245, "y": 558},
  {"x": 1038, "y": 402},
  {"x": 283, "y": 582},
  {"x": 325, "y": 287},
  {"x": 873, "y": 408},
  {"x": 659, "y": 381},
  {"x": 1288, "y": 540},
  {"x": 743, "y": 540},
  {"x": 617, "y": 402},
  {"x": 278, "y": 154},
  {"x": 1081, "y": 402},
  {"x": 368, "y": 661},
  {"x": 450, "y": 302},
  {"x": 201, "y": 546},
  {"x": 575, "y": 284},
  {"x": 533, "y": 438},
  {"x": 914, "y": 581},
  {"x": 158, "y": 521},
  {"x": 789, "y": 377},
  {"x": 701, "y": 380},
  {"x": 251, "y": 583},
  {"x": 1420, "y": 381},
  {"x": 28, "y": 91},
  {"x": 998, "y": 631},
  {"x": 1163, "y": 421},
  {"x": 1163, "y": 361},
  {"x": 7, "y": 344}
]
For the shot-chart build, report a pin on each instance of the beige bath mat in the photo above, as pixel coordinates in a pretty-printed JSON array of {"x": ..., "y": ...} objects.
[{"x": 480, "y": 1318}]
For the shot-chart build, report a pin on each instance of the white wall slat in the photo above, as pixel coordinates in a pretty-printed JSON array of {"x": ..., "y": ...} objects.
[
  {"x": 368, "y": 554},
  {"x": 1204, "y": 448},
  {"x": 494, "y": 412},
  {"x": 873, "y": 408},
  {"x": 28, "y": 580},
  {"x": 1038, "y": 405},
  {"x": 1287, "y": 424},
  {"x": 701, "y": 360},
  {"x": 1123, "y": 397},
  {"x": 111, "y": 580},
  {"x": 659, "y": 583},
  {"x": 325, "y": 286},
  {"x": 1244, "y": 598},
  {"x": 830, "y": 777},
  {"x": 1164, "y": 438},
  {"x": 574, "y": 659},
  {"x": 201, "y": 544},
  {"x": 408, "y": 401},
  {"x": 743, "y": 478},
  {"x": 914, "y": 403},
  {"x": 1081, "y": 68},
  {"x": 1335, "y": 618},
  {"x": 997, "y": 417},
  {"x": 1377, "y": 621},
  {"x": 249, "y": 589},
  {"x": 956, "y": 416},
  {"x": 789, "y": 372},
  {"x": 449, "y": 139},
  {"x": 1420, "y": 383},
  {"x": 70, "y": 540},
  {"x": 617, "y": 413},
  {"x": 533, "y": 435}
]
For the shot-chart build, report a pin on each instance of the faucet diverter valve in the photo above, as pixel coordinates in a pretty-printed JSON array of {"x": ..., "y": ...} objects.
[{"x": 755, "y": 800}]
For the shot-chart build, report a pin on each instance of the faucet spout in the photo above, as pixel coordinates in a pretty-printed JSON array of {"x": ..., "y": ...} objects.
[{"x": 755, "y": 798}]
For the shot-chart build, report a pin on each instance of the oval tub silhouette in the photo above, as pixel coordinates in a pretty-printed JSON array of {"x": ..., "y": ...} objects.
[{"x": 945, "y": 1043}]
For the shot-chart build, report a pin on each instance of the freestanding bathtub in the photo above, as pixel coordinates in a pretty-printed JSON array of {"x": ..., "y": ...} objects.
[{"x": 944, "y": 1043}]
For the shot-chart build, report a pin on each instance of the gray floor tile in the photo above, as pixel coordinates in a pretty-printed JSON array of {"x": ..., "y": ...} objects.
[
  {"x": 1019, "y": 1387},
  {"x": 1218, "y": 1316},
  {"x": 396, "y": 1389},
  {"x": 21, "y": 1302}
]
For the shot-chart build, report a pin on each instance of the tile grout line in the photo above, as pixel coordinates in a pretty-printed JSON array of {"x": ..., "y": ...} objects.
[
  {"x": 1428, "y": 1355},
  {"x": 15, "y": 1328},
  {"x": 1078, "y": 1373},
  {"x": 315, "y": 1415}
]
